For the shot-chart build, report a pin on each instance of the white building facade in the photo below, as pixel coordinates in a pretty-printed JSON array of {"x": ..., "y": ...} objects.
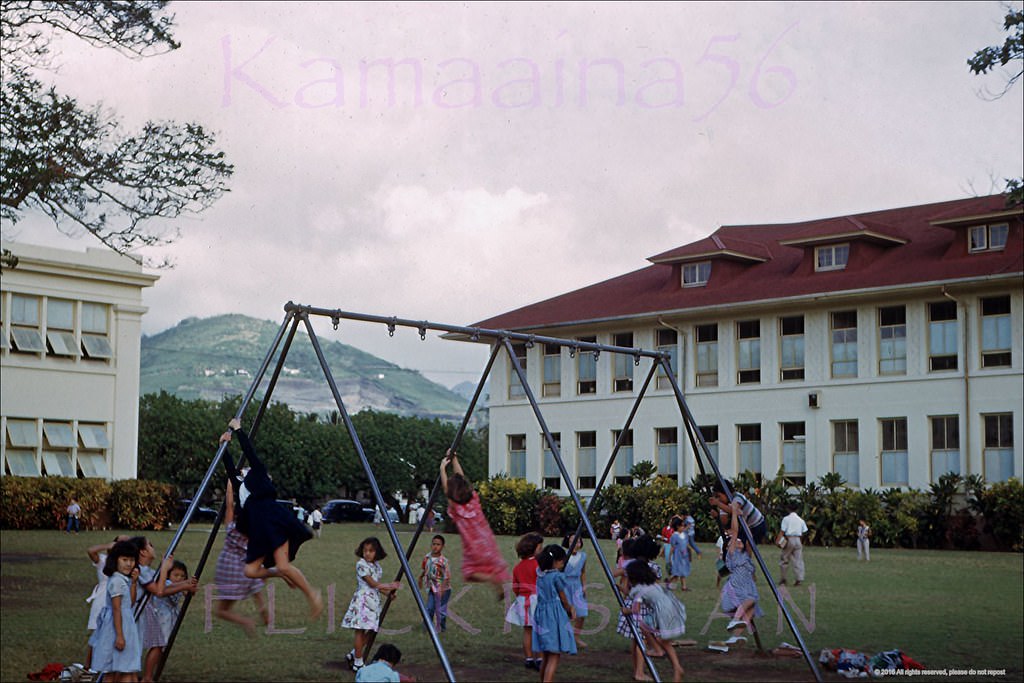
[
  {"x": 70, "y": 351},
  {"x": 886, "y": 347}
]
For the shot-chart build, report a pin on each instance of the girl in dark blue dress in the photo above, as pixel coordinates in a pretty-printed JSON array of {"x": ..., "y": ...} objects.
[
  {"x": 274, "y": 533},
  {"x": 552, "y": 625}
]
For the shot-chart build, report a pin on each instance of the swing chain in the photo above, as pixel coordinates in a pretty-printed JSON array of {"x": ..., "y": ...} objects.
[
  {"x": 636, "y": 359},
  {"x": 476, "y": 335},
  {"x": 423, "y": 331},
  {"x": 573, "y": 349},
  {"x": 391, "y": 327},
  {"x": 530, "y": 342},
  {"x": 335, "y": 320}
]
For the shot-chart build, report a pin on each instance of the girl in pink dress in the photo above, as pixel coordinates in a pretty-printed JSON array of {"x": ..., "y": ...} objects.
[{"x": 481, "y": 560}]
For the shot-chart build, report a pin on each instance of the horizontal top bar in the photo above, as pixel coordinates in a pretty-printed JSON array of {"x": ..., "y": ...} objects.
[{"x": 474, "y": 333}]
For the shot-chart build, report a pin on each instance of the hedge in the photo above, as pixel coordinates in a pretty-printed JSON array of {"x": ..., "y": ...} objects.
[{"x": 41, "y": 503}]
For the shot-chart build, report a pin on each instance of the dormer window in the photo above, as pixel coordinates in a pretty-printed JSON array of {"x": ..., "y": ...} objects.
[
  {"x": 832, "y": 257},
  {"x": 696, "y": 274},
  {"x": 987, "y": 237}
]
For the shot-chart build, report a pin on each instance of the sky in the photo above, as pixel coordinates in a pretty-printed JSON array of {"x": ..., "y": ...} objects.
[{"x": 513, "y": 152}]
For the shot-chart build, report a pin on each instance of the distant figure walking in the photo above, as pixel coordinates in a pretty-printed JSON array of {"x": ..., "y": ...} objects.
[
  {"x": 863, "y": 541},
  {"x": 74, "y": 512}
]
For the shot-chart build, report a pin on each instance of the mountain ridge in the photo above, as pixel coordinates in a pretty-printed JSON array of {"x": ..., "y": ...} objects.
[{"x": 209, "y": 358}]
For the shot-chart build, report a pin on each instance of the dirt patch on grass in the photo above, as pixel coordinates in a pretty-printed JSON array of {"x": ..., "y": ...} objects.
[{"x": 506, "y": 665}]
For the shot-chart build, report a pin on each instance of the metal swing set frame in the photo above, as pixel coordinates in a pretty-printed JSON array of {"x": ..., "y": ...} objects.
[{"x": 501, "y": 340}]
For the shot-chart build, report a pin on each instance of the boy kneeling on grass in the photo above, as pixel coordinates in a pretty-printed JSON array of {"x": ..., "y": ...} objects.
[{"x": 383, "y": 670}]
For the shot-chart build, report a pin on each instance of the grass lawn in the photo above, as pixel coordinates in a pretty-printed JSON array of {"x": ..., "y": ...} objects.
[{"x": 947, "y": 610}]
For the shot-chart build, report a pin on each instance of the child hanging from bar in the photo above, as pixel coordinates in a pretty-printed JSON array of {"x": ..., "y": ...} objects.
[
  {"x": 274, "y": 533},
  {"x": 481, "y": 560}
]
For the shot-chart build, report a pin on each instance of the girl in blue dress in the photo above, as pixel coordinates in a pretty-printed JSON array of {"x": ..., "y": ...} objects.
[
  {"x": 552, "y": 625},
  {"x": 116, "y": 644},
  {"x": 739, "y": 594},
  {"x": 576, "y": 579},
  {"x": 681, "y": 543}
]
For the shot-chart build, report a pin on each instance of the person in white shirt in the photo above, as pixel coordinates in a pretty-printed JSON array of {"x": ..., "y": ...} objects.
[{"x": 793, "y": 527}]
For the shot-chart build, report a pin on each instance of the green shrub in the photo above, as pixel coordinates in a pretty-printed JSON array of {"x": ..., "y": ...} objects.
[
  {"x": 510, "y": 505},
  {"x": 138, "y": 504},
  {"x": 549, "y": 515},
  {"x": 41, "y": 503}
]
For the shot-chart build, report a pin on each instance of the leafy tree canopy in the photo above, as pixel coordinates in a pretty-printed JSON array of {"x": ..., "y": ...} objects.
[
  {"x": 75, "y": 163},
  {"x": 1010, "y": 52}
]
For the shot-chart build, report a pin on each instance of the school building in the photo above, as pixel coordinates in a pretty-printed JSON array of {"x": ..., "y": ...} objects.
[
  {"x": 70, "y": 335},
  {"x": 884, "y": 346}
]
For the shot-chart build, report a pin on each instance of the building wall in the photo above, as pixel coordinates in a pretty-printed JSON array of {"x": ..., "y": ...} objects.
[
  {"x": 918, "y": 394},
  {"x": 73, "y": 407}
]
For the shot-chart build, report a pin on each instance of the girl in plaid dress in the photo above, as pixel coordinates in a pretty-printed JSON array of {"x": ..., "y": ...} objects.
[
  {"x": 232, "y": 583},
  {"x": 481, "y": 560}
]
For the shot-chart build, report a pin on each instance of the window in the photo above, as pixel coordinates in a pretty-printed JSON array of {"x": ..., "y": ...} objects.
[
  {"x": 623, "y": 364},
  {"x": 624, "y": 458},
  {"x": 710, "y": 434},
  {"x": 552, "y": 475},
  {"x": 25, "y": 332},
  {"x": 60, "y": 327},
  {"x": 748, "y": 350},
  {"x": 707, "y": 355},
  {"x": 668, "y": 451},
  {"x": 667, "y": 342},
  {"x": 552, "y": 370},
  {"x": 995, "y": 332},
  {"x": 832, "y": 257},
  {"x": 945, "y": 455},
  {"x": 22, "y": 441},
  {"x": 93, "y": 450},
  {"x": 894, "y": 451},
  {"x": 95, "y": 342},
  {"x": 750, "y": 448},
  {"x": 892, "y": 340},
  {"x": 998, "y": 447},
  {"x": 791, "y": 331},
  {"x": 696, "y": 274},
  {"x": 844, "y": 451},
  {"x": 57, "y": 459},
  {"x": 794, "y": 452},
  {"x": 844, "y": 344},
  {"x": 515, "y": 387},
  {"x": 586, "y": 460},
  {"x": 586, "y": 369},
  {"x": 987, "y": 237},
  {"x": 942, "y": 336},
  {"x": 517, "y": 456}
]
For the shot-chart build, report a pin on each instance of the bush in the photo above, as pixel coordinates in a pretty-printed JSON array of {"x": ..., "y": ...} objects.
[
  {"x": 510, "y": 505},
  {"x": 41, "y": 503}
]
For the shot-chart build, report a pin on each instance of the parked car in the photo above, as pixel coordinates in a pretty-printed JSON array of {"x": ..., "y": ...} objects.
[
  {"x": 201, "y": 513},
  {"x": 342, "y": 510}
]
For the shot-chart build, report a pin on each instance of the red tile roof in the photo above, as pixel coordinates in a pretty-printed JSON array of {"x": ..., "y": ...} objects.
[{"x": 890, "y": 248}]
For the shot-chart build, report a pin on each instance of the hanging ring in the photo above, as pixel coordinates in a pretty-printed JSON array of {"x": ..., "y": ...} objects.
[
  {"x": 530, "y": 341},
  {"x": 636, "y": 359},
  {"x": 335, "y": 321},
  {"x": 423, "y": 333}
]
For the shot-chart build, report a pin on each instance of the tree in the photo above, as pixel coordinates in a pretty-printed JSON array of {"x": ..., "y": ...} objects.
[
  {"x": 76, "y": 164},
  {"x": 987, "y": 59}
]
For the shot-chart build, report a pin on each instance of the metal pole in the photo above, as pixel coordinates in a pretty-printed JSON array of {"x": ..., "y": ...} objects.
[
  {"x": 377, "y": 495},
  {"x": 556, "y": 452},
  {"x": 688, "y": 417}
]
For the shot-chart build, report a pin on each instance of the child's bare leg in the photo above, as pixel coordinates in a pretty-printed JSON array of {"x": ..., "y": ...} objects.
[
  {"x": 149, "y": 665},
  {"x": 223, "y": 610},
  {"x": 577, "y": 626},
  {"x": 549, "y": 666},
  {"x": 262, "y": 608},
  {"x": 528, "y": 642},
  {"x": 638, "y": 665},
  {"x": 360, "y": 643},
  {"x": 297, "y": 579},
  {"x": 677, "y": 667}
]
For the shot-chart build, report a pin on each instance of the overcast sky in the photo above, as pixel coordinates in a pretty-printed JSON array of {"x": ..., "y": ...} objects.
[{"x": 509, "y": 165}]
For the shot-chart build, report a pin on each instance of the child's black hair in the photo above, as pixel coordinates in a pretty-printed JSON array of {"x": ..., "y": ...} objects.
[
  {"x": 389, "y": 653},
  {"x": 178, "y": 564},
  {"x": 568, "y": 539},
  {"x": 719, "y": 489},
  {"x": 628, "y": 548},
  {"x": 646, "y": 547},
  {"x": 639, "y": 572},
  {"x": 528, "y": 544},
  {"x": 375, "y": 542},
  {"x": 676, "y": 523},
  {"x": 551, "y": 554},
  {"x": 438, "y": 537},
  {"x": 120, "y": 549},
  {"x": 139, "y": 542}
]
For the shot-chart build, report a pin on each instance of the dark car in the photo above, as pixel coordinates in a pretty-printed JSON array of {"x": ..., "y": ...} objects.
[
  {"x": 201, "y": 513},
  {"x": 346, "y": 511}
]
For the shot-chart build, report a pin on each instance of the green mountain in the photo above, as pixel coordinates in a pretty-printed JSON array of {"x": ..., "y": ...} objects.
[{"x": 213, "y": 357}]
